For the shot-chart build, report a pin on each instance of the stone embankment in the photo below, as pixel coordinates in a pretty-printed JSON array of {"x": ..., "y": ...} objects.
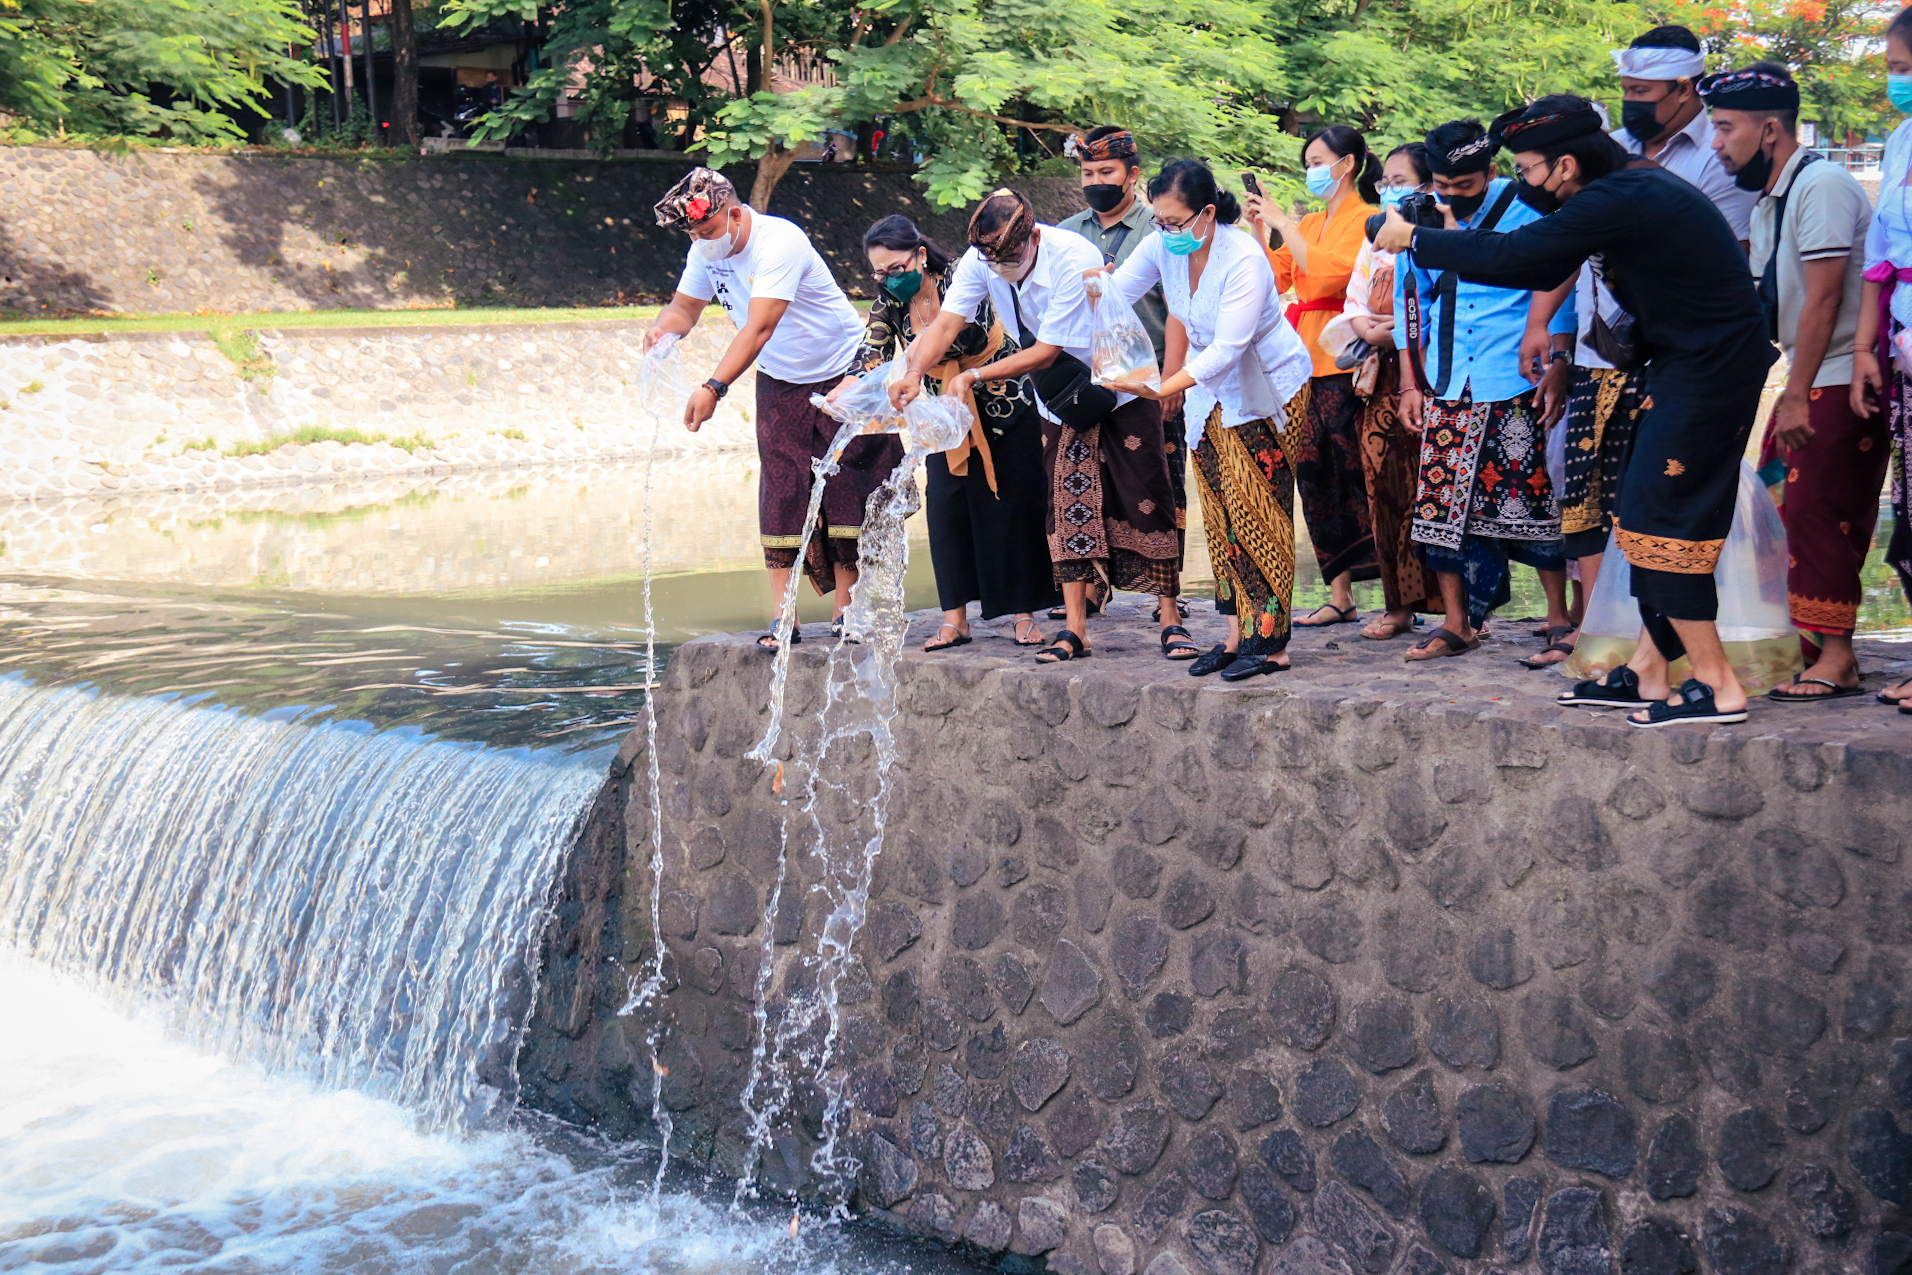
[
  {"x": 153, "y": 412},
  {"x": 1362, "y": 969}
]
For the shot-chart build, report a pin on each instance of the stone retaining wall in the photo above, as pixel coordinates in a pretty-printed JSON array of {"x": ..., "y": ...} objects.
[
  {"x": 1350, "y": 975},
  {"x": 151, "y": 233}
]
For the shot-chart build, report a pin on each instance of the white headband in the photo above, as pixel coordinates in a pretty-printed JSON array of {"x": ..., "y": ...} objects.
[{"x": 1659, "y": 63}]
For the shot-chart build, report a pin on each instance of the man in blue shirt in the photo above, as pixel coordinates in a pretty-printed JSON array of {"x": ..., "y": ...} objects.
[{"x": 1482, "y": 396}]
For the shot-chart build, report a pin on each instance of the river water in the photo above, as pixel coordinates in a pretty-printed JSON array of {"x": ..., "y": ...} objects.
[{"x": 362, "y": 714}]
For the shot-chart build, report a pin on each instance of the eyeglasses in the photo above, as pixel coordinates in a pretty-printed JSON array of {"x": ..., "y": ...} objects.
[
  {"x": 1521, "y": 172},
  {"x": 893, "y": 272},
  {"x": 1166, "y": 226},
  {"x": 1400, "y": 183},
  {"x": 1002, "y": 254}
]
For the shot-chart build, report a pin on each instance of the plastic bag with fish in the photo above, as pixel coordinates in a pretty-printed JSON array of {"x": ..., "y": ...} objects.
[{"x": 1119, "y": 346}]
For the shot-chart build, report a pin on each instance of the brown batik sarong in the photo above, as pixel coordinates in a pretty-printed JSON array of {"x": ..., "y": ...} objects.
[
  {"x": 1246, "y": 482},
  {"x": 1112, "y": 509},
  {"x": 1391, "y": 462},
  {"x": 1334, "y": 498},
  {"x": 1603, "y": 412},
  {"x": 790, "y": 434}
]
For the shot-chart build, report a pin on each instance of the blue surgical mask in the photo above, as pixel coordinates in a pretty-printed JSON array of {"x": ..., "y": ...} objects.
[
  {"x": 1182, "y": 241},
  {"x": 1320, "y": 180},
  {"x": 1391, "y": 196},
  {"x": 1898, "y": 91}
]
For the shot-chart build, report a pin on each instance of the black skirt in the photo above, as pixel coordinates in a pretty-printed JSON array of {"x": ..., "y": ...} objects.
[{"x": 992, "y": 547}]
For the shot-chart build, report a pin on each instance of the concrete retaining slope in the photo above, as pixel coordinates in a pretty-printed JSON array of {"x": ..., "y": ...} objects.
[{"x": 1365, "y": 969}]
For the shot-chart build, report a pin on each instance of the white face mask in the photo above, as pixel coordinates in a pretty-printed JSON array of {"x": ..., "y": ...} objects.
[
  {"x": 717, "y": 247},
  {"x": 1016, "y": 272}
]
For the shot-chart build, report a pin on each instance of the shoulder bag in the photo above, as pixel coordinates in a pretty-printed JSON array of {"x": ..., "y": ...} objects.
[{"x": 1065, "y": 387}]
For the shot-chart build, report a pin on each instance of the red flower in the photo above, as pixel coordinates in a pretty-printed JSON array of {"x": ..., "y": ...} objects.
[{"x": 698, "y": 208}]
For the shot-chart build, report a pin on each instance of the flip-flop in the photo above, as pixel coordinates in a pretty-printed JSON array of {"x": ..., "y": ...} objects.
[
  {"x": 1038, "y": 640},
  {"x": 1695, "y": 705},
  {"x": 1440, "y": 644},
  {"x": 768, "y": 641},
  {"x": 961, "y": 639},
  {"x": 1778, "y": 694},
  {"x": 1395, "y": 629},
  {"x": 1893, "y": 701},
  {"x": 1346, "y": 615},
  {"x": 1066, "y": 647},
  {"x": 1553, "y": 644}
]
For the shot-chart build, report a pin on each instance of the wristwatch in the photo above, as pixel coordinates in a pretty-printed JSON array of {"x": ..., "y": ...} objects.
[
  {"x": 717, "y": 387},
  {"x": 1559, "y": 356}
]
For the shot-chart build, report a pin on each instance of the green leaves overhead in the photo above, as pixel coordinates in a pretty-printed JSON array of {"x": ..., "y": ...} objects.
[{"x": 145, "y": 68}]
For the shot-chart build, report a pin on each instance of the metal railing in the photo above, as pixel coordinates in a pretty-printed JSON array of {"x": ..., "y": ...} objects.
[{"x": 1863, "y": 160}]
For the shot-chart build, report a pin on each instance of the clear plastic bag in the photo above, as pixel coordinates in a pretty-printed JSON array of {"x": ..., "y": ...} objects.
[
  {"x": 931, "y": 423},
  {"x": 1755, "y": 622},
  {"x": 1119, "y": 346}
]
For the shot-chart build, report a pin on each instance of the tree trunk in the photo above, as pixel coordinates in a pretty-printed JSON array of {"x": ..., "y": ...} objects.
[
  {"x": 770, "y": 171},
  {"x": 404, "y": 74}
]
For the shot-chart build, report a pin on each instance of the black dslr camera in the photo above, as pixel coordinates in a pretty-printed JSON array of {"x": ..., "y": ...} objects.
[{"x": 1418, "y": 207}]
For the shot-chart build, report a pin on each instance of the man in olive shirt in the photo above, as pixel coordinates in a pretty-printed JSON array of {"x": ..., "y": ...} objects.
[{"x": 1117, "y": 219}]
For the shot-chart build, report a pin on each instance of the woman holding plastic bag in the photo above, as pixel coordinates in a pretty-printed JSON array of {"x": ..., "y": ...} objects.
[
  {"x": 986, "y": 499},
  {"x": 1112, "y": 507},
  {"x": 1246, "y": 381}
]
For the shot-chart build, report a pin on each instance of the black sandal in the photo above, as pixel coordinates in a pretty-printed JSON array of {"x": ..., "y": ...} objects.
[
  {"x": 1620, "y": 688},
  {"x": 1212, "y": 661},
  {"x": 768, "y": 641},
  {"x": 936, "y": 644},
  {"x": 1343, "y": 615},
  {"x": 1695, "y": 705},
  {"x": 1252, "y": 663},
  {"x": 1066, "y": 647},
  {"x": 1096, "y": 600},
  {"x": 1553, "y": 636},
  {"x": 1780, "y": 695},
  {"x": 1185, "y": 649}
]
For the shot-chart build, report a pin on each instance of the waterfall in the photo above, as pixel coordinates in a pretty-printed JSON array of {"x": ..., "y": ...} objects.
[{"x": 359, "y": 907}]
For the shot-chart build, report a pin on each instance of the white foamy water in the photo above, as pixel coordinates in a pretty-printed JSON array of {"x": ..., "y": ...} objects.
[{"x": 123, "y": 1150}]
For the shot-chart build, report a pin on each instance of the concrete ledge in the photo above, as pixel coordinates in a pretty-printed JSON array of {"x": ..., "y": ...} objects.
[{"x": 1363, "y": 968}]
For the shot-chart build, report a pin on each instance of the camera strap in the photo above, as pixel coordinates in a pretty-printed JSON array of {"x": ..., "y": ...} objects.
[{"x": 1445, "y": 288}]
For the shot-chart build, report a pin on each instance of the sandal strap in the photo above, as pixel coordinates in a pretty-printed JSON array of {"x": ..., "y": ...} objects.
[
  {"x": 1446, "y": 637},
  {"x": 1176, "y": 630}
]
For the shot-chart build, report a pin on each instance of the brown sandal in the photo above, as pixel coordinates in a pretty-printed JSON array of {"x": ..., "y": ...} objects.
[{"x": 1440, "y": 644}]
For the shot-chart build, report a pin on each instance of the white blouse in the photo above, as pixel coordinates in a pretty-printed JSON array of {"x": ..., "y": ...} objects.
[
  {"x": 1243, "y": 353},
  {"x": 1889, "y": 237}
]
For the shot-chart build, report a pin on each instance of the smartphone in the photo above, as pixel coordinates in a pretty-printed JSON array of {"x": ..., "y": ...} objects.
[{"x": 1249, "y": 184}]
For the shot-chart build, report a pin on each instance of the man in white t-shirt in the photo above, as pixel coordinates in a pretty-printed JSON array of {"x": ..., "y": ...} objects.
[
  {"x": 795, "y": 324},
  {"x": 1112, "y": 507},
  {"x": 1808, "y": 253}
]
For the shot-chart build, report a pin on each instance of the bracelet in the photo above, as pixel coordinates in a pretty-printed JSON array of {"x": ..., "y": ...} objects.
[{"x": 717, "y": 387}]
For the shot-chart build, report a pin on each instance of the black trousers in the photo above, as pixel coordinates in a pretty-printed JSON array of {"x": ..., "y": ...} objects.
[{"x": 992, "y": 547}]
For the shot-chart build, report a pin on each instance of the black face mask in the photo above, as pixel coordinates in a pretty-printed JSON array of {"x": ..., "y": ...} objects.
[
  {"x": 1465, "y": 206},
  {"x": 1641, "y": 119},
  {"x": 1538, "y": 198},
  {"x": 1753, "y": 173},
  {"x": 1104, "y": 196}
]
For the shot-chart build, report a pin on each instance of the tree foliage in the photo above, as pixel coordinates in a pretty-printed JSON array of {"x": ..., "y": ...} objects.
[{"x": 176, "y": 69}]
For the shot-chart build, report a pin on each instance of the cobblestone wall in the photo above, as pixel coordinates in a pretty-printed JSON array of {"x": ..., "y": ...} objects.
[
  {"x": 1346, "y": 977},
  {"x": 155, "y": 233}
]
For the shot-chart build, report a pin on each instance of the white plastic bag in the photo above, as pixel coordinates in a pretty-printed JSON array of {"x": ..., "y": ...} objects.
[
  {"x": 1119, "y": 346},
  {"x": 1755, "y": 623},
  {"x": 931, "y": 423}
]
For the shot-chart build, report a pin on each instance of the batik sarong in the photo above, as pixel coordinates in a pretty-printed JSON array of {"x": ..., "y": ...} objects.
[
  {"x": 1390, "y": 462},
  {"x": 1603, "y": 412},
  {"x": 790, "y": 434},
  {"x": 1246, "y": 484},
  {"x": 1111, "y": 510},
  {"x": 1483, "y": 473},
  {"x": 1334, "y": 495},
  {"x": 1830, "y": 502},
  {"x": 1898, "y": 550}
]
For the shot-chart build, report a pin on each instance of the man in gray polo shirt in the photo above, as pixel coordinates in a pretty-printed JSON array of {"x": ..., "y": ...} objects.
[{"x": 1116, "y": 221}]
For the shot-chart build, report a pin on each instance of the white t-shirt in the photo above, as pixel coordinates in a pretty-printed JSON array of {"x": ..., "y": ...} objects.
[
  {"x": 818, "y": 336},
  {"x": 1242, "y": 351},
  {"x": 1051, "y": 298}
]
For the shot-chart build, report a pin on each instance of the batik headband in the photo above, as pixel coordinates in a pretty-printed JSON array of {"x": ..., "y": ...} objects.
[
  {"x": 1648, "y": 62},
  {"x": 1534, "y": 127},
  {"x": 1008, "y": 243},
  {"x": 1476, "y": 156},
  {"x": 1749, "y": 90},
  {"x": 702, "y": 194},
  {"x": 1113, "y": 146}
]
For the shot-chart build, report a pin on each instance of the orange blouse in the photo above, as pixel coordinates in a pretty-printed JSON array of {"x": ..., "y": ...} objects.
[{"x": 1333, "y": 244}]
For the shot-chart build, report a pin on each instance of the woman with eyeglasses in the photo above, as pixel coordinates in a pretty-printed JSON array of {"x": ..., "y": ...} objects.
[
  {"x": 987, "y": 499},
  {"x": 1112, "y": 508},
  {"x": 1314, "y": 257},
  {"x": 1245, "y": 376},
  {"x": 1390, "y": 447}
]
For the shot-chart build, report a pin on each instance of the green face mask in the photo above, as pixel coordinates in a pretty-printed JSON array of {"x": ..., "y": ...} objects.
[{"x": 903, "y": 286}]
